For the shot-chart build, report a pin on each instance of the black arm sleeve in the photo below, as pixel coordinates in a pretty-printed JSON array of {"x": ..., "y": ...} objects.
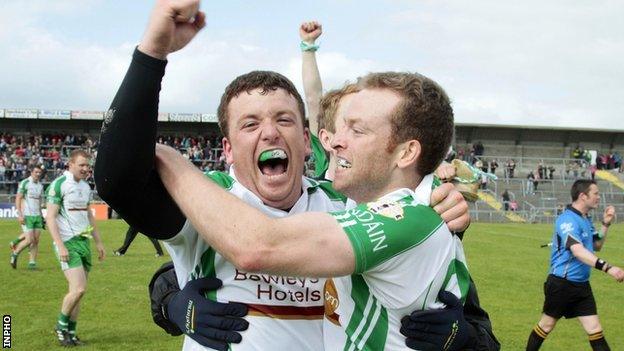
[
  {"x": 570, "y": 241},
  {"x": 480, "y": 321},
  {"x": 124, "y": 170}
]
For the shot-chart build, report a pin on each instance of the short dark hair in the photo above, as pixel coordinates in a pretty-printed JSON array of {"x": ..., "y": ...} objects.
[
  {"x": 579, "y": 187},
  {"x": 266, "y": 81},
  {"x": 425, "y": 114}
]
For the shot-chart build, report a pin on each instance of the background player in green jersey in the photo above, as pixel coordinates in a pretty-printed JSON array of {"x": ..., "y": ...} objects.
[
  {"x": 28, "y": 204},
  {"x": 71, "y": 224}
]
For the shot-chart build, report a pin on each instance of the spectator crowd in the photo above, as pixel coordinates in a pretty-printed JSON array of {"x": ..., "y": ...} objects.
[{"x": 20, "y": 152}]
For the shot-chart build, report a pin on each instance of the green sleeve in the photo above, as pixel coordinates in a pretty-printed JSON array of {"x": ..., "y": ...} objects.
[
  {"x": 379, "y": 231},
  {"x": 23, "y": 187},
  {"x": 54, "y": 191},
  {"x": 321, "y": 161},
  {"x": 222, "y": 179}
]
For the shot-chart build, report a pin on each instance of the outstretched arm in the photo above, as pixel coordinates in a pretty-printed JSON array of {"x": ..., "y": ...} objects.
[
  {"x": 587, "y": 257},
  {"x": 312, "y": 86},
  {"x": 248, "y": 238},
  {"x": 124, "y": 171}
]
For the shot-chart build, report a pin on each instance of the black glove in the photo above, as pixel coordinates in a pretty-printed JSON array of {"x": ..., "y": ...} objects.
[
  {"x": 434, "y": 330},
  {"x": 162, "y": 287},
  {"x": 210, "y": 323}
]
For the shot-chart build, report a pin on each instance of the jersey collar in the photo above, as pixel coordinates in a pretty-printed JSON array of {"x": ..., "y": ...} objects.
[
  {"x": 308, "y": 187},
  {"x": 421, "y": 195},
  {"x": 569, "y": 207},
  {"x": 70, "y": 176}
]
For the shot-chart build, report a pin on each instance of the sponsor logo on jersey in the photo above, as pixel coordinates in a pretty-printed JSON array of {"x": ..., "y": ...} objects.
[
  {"x": 331, "y": 302},
  {"x": 387, "y": 209},
  {"x": 566, "y": 227},
  {"x": 281, "y": 288}
]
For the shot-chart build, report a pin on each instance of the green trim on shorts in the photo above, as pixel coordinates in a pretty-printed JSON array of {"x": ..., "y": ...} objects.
[
  {"x": 32, "y": 222},
  {"x": 79, "y": 249}
]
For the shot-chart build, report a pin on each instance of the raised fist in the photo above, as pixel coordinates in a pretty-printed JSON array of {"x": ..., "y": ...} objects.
[
  {"x": 609, "y": 215},
  {"x": 446, "y": 171},
  {"x": 172, "y": 25},
  {"x": 310, "y": 31}
]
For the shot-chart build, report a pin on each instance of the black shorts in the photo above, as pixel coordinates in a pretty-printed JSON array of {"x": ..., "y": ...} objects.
[{"x": 568, "y": 299}]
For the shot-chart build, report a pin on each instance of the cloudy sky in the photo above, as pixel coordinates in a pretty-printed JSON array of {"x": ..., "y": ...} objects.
[{"x": 556, "y": 63}]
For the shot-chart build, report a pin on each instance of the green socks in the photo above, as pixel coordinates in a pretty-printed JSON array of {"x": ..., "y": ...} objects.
[
  {"x": 63, "y": 322},
  {"x": 72, "y": 326}
]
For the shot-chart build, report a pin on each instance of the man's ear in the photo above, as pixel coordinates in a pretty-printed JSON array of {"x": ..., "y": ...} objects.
[
  {"x": 307, "y": 142},
  {"x": 227, "y": 151},
  {"x": 408, "y": 153},
  {"x": 325, "y": 138}
]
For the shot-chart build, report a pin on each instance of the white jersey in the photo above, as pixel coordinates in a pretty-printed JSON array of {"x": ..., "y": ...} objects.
[
  {"x": 31, "y": 197},
  {"x": 284, "y": 312},
  {"x": 405, "y": 255},
  {"x": 73, "y": 197}
]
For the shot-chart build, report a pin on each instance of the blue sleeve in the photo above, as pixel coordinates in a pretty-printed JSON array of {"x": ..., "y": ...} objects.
[{"x": 568, "y": 231}]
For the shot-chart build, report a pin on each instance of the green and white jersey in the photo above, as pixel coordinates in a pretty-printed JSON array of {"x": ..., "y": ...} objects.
[
  {"x": 73, "y": 197},
  {"x": 320, "y": 158},
  {"x": 284, "y": 312},
  {"x": 405, "y": 255},
  {"x": 31, "y": 197}
]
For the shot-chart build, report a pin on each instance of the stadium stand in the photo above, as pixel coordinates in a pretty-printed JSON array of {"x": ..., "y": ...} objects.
[
  {"x": 19, "y": 152},
  {"x": 556, "y": 157},
  {"x": 560, "y": 154}
]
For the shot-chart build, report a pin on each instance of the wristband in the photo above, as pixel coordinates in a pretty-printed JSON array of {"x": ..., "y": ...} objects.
[
  {"x": 608, "y": 267},
  {"x": 600, "y": 263},
  {"x": 606, "y": 224},
  {"x": 308, "y": 47}
]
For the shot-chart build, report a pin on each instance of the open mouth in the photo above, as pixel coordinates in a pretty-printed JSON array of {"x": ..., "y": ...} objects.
[
  {"x": 342, "y": 163},
  {"x": 273, "y": 162}
]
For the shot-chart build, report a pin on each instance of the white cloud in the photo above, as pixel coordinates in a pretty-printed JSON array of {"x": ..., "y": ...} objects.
[
  {"x": 516, "y": 63},
  {"x": 47, "y": 71},
  {"x": 530, "y": 62}
]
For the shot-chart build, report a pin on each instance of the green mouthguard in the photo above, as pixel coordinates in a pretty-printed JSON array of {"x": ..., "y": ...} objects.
[{"x": 269, "y": 154}]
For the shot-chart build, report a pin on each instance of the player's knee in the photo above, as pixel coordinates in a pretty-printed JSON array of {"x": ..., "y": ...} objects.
[
  {"x": 547, "y": 325},
  {"x": 79, "y": 291},
  {"x": 592, "y": 327}
]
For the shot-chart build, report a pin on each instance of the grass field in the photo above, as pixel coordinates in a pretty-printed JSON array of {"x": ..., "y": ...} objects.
[{"x": 505, "y": 260}]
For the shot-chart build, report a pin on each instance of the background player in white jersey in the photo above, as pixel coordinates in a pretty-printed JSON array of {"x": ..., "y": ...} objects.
[
  {"x": 28, "y": 204},
  {"x": 397, "y": 129},
  {"x": 126, "y": 180},
  {"x": 71, "y": 225}
]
